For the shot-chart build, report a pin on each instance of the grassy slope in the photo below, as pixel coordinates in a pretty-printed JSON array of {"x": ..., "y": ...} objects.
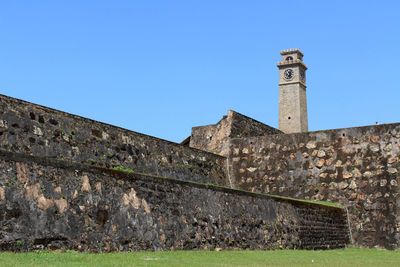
[{"x": 348, "y": 257}]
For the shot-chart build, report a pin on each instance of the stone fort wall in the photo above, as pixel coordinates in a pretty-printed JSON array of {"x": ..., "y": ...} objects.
[
  {"x": 357, "y": 167},
  {"x": 51, "y": 204},
  {"x": 36, "y": 130},
  {"x": 58, "y": 190}
]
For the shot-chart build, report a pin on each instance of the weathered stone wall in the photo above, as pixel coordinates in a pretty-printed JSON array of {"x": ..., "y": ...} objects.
[
  {"x": 243, "y": 126},
  {"x": 215, "y": 138},
  {"x": 52, "y": 204},
  {"x": 37, "y": 130},
  {"x": 357, "y": 167}
]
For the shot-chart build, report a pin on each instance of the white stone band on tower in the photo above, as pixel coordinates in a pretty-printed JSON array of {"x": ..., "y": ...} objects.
[{"x": 292, "y": 92}]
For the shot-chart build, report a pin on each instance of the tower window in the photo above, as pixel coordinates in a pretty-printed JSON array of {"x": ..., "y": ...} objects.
[
  {"x": 288, "y": 118},
  {"x": 289, "y": 58}
]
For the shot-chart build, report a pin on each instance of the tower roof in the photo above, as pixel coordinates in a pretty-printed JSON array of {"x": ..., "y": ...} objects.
[{"x": 291, "y": 51}]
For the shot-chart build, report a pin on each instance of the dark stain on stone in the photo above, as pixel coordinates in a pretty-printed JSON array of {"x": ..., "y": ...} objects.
[
  {"x": 13, "y": 213},
  {"x": 96, "y": 133},
  {"x": 57, "y": 133},
  {"x": 53, "y": 121},
  {"x": 32, "y": 116},
  {"x": 101, "y": 217}
]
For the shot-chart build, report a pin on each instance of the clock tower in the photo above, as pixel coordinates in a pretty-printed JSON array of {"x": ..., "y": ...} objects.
[{"x": 292, "y": 92}]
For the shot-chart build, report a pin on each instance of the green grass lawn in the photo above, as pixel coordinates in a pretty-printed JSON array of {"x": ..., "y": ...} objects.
[{"x": 345, "y": 257}]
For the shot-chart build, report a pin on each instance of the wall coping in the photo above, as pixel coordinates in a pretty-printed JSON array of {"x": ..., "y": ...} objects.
[{"x": 336, "y": 130}]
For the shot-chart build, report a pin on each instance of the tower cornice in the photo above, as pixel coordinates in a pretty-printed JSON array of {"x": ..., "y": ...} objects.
[
  {"x": 291, "y": 63},
  {"x": 294, "y": 82}
]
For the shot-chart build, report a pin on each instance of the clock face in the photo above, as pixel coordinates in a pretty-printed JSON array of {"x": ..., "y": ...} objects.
[{"x": 288, "y": 74}]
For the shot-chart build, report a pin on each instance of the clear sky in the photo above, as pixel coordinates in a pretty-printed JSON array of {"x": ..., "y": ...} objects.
[{"x": 162, "y": 67}]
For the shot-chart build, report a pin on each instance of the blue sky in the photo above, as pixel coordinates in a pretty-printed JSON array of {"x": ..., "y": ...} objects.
[{"x": 162, "y": 67}]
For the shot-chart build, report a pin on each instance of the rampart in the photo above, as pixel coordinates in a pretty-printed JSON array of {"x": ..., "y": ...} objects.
[
  {"x": 51, "y": 204},
  {"x": 357, "y": 167},
  {"x": 36, "y": 130},
  {"x": 216, "y": 138}
]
